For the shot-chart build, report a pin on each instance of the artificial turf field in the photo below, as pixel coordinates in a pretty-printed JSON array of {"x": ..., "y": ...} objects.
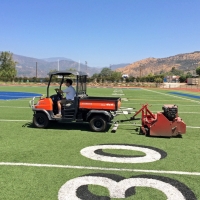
[{"x": 48, "y": 164}]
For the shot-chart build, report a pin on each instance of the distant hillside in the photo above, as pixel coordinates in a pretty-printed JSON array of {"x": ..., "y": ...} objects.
[
  {"x": 26, "y": 66},
  {"x": 55, "y": 59},
  {"x": 187, "y": 62},
  {"x": 114, "y": 67}
]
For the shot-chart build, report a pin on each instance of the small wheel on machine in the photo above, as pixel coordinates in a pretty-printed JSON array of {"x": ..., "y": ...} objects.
[
  {"x": 40, "y": 120},
  {"x": 141, "y": 132},
  {"x": 147, "y": 131},
  {"x": 98, "y": 123}
]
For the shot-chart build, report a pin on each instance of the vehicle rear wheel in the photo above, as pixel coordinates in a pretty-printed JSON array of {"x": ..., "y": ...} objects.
[
  {"x": 98, "y": 123},
  {"x": 40, "y": 120}
]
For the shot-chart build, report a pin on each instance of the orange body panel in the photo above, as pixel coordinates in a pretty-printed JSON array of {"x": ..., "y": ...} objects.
[
  {"x": 99, "y": 104},
  {"x": 46, "y": 104}
]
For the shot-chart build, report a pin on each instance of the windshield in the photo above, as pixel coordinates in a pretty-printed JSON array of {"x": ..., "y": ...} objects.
[{"x": 81, "y": 85}]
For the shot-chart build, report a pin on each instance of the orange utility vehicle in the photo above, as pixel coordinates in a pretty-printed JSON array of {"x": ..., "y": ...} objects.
[{"x": 97, "y": 111}]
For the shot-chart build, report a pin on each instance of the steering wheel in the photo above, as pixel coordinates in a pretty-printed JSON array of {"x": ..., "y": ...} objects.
[{"x": 59, "y": 94}]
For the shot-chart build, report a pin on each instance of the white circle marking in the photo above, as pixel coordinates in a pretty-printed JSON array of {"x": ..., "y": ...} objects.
[{"x": 151, "y": 155}]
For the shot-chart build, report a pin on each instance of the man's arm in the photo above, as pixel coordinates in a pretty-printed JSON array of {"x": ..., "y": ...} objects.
[{"x": 58, "y": 90}]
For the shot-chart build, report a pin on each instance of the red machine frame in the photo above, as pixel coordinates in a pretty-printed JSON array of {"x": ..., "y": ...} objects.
[{"x": 158, "y": 124}]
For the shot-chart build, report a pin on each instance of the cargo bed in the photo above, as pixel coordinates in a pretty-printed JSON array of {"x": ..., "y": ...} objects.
[{"x": 100, "y": 103}]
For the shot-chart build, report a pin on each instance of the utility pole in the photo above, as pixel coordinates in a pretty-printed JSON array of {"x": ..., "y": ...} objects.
[
  {"x": 110, "y": 70},
  {"x": 36, "y": 70}
]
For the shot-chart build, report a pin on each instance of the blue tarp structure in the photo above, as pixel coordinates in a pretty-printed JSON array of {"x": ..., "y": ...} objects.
[{"x": 4, "y": 95}]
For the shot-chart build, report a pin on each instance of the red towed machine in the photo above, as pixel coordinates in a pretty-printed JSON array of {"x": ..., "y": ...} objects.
[{"x": 164, "y": 124}]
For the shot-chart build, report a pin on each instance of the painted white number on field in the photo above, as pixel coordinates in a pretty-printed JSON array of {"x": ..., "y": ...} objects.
[
  {"x": 116, "y": 189},
  {"x": 152, "y": 154}
]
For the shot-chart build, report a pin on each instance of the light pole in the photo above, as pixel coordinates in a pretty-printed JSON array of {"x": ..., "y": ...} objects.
[
  {"x": 36, "y": 70},
  {"x": 86, "y": 66}
]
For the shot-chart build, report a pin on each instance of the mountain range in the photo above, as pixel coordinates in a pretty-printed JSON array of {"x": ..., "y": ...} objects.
[
  {"x": 188, "y": 62},
  {"x": 32, "y": 67}
]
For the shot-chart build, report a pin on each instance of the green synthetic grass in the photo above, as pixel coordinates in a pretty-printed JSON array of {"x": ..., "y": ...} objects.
[{"x": 61, "y": 144}]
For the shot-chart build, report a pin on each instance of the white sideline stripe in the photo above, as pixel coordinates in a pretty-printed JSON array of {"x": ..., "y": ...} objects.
[
  {"x": 98, "y": 168},
  {"x": 178, "y": 112},
  {"x": 13, "y": 107},
  {"x": 192, "y": 127},
  {"x": 131, "y": 124},
  {"x": 14, "y": 120},
  {"x": 171, "y": 95},
  {"x": 119, "y": 110},
  {"x": 153, "y": 104}
]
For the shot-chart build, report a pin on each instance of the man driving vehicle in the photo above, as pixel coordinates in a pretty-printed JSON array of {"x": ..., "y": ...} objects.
[{"x": 70, "y": 94}]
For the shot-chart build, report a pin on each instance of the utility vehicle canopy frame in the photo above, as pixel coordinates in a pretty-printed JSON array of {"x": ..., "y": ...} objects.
[{"x": 81, "y": 79}]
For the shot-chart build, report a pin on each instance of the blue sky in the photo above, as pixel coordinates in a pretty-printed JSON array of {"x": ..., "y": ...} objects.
[{"x": 101, "y": 32}]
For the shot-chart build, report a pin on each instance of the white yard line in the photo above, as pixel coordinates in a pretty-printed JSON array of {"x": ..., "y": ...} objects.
[
  {"x": 153, "y": 104},
  {"x": 178, "y": 112},
  {"x": 131, "y": 124},
  {"x": 13, "y": 107},
  {"x": 172, "y": 95},
  {"x": 14, "y": 120},
  {"x": 98, "y": 168}
]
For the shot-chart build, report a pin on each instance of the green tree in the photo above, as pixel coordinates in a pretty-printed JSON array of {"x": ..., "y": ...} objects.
[
  {"x": 158, "y": 80},
  {"x": 105, "y": 72},
  {"x": 7, "y": 66},
  {"x": 182, "y": 78},
  {"x": 188, "y": 75},
  {"x": 176, "y": 72},
  {"x": 108, "y": 75},
  {"x": 198, "y": 71},
  {"x": 150, "y": 78},
  {"x": 115, "y": 76}
]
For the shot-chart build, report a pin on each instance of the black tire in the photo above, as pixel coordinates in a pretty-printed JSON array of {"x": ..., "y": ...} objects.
[
  {"x": 141, "y": 132},
  {"x": 98, "y": 123},
  {"x": 40, "y": 120},
  {"x": 147, "y": 131}
]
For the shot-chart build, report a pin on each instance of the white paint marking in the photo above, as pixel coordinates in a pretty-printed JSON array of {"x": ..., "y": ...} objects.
[
  {"x": 13, "y": 107},
  {"x": 98, "y": 168},
  {"x": 124, "y": 99},
  {"x": 151, "y": 155},
  {"x": 117, "y": 189},
  {"x": 14, "y": 120},
  {"x": 131, "y": 124},
  {"x": 180, "y": 112},
  {"x": 172, "y": 95},
  {"x": 153, "y": 104},
  {"x": 118, "y": 94}
]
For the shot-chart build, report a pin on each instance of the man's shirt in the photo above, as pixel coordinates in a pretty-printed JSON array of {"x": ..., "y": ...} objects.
[{"x": 70, "y": 93}]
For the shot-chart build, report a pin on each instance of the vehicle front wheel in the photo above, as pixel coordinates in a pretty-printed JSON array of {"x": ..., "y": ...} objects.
[
  {"x": 40, "y": 120},
  {"x": 98, "y": 123}
]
